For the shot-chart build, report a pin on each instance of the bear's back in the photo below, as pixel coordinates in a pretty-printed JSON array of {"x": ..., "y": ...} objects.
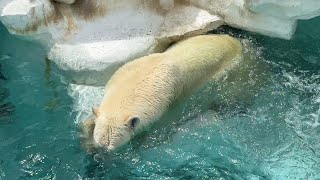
[
  {"x": 180, "y": 70},
  {"x": 204, "y": 57}
]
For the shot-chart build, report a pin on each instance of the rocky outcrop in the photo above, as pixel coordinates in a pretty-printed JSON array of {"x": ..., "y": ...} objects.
[
  {"x": 237, "y": 13},
  {"x": 107, "y": 43},
  {"x": 89, "y": 40},
  {"x": 286, "y": 9}
]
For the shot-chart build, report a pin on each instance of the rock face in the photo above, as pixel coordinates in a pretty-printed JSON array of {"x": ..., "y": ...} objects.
[
  {"x": 89, "y": 40},
  {"x": 107, "y": 43},
  {"x": 237, "y": 13},
  {"x": 286, "y": 9}
]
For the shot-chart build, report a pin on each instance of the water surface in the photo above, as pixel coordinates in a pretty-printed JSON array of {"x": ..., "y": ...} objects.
[{"x": 277, "y": 137}]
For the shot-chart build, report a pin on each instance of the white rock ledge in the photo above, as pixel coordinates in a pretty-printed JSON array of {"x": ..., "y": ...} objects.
[
  {"x": 286, "y": 9},
  {"x": 93, "y": 63},
  {"x": 236, "y": 14},
  {"x": 95, "y": 52}
]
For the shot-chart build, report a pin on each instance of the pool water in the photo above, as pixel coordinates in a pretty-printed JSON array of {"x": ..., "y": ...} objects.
[{"x": 278, "y": 137}]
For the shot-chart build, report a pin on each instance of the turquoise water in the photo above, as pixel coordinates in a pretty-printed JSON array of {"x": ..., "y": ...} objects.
[{"x": 277, "y": 138}]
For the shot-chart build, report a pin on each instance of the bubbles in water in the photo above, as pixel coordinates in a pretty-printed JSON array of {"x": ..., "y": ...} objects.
[
  {"x": 85, "y": 97},
  {"x": 304, "y": 114}
]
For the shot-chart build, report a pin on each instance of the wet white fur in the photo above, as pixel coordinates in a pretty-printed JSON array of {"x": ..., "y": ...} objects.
[{"x": 147, "y": 86}]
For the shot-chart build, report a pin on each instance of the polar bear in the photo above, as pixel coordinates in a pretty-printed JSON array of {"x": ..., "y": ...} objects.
[{"x": 141, "y": 91}]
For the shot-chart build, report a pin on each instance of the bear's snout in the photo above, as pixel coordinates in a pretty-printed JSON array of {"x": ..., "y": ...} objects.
[
  {"x": 102, "y": 141},
  {"x": 110, "y": 138},
  {"x": 101, "y": 138}
]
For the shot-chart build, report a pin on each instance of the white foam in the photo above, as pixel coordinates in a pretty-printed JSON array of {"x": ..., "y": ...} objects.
[{"x": 84, "y": 98}]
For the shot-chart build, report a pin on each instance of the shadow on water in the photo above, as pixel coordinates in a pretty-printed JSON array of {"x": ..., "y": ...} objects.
[{"x": 6, "y": 107}]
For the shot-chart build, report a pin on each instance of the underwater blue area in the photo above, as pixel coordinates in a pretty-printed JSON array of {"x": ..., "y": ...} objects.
[{"x": 277, "y": 137}]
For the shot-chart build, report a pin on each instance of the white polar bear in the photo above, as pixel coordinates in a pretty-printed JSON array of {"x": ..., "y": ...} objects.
[{"x": 141, "y": 91}]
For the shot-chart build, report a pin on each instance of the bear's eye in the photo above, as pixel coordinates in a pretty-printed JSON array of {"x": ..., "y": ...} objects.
[{"x": 133, "y": 122}]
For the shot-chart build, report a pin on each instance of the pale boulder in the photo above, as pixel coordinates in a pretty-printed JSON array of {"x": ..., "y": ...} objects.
[
  {"x": 92, "y": 63},
  {"x": 235, "y": 13},
  {"x": 23, "y": 17},
  {"x": 89, "y": 40},
  {"x": 286, "y": 9},
  {"x": 188, "y": 21},
  {"x": 94, "y": 53}
]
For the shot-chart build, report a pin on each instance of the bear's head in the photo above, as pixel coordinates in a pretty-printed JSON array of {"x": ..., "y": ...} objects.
[{"x": 114, "y": 130}]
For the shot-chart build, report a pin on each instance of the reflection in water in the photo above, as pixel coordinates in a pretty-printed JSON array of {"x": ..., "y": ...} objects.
[
  {"x": 6, "y": 108},
  {"x": 1, "y": 75},
  {"x": 53, "y": 103}
]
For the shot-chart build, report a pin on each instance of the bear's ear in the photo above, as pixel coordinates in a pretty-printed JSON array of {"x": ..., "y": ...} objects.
[
  {"x": 95, "y": 111},
  {"x": 133, "y": 121}
]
